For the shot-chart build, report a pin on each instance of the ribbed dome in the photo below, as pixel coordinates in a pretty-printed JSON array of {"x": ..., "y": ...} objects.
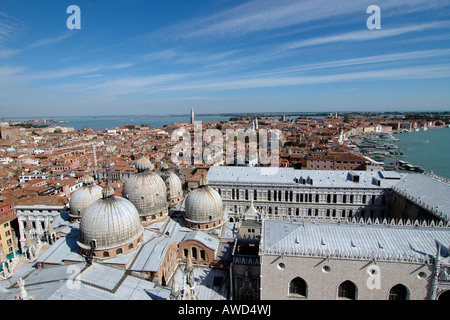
[
  {"x": 84, "y": 196},
  {"x": 111, "y": 222},
  {"x": 143, "y": 164},
  {"x": 108, "y": 191},
  {"x": 203, "y": 205},
  {"x": 174, "y": 185},
  {"x": 88, "y": 179},
  {"x": 147, "y": 191}
]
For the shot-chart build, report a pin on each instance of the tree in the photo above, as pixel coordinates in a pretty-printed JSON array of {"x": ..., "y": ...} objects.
[
  {"x": 17, "y": 173},
  {"x": 291, "y": 144}
]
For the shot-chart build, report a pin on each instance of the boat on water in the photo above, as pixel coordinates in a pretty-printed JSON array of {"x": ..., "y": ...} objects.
[{"x": 404, "y": 165}]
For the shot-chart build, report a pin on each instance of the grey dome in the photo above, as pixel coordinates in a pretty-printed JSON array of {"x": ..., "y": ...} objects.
[
  {"x": 111, "y": 221},
  {"x": 143, "y": 164},
  {"x": 84, "y": 196},
  {"x": 203, "y": 204},
  {"x": 107, "y": 191},
  {"x": 88, "y": 179},
  {"x": 173, "y": 183},
  {"x": 147, "y": 191}
]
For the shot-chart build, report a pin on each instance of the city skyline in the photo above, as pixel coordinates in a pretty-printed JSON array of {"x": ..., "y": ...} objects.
[{"x": 162, "y": 57}]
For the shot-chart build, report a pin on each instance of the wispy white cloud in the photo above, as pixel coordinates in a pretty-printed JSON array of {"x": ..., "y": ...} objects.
[
  {"x": 263, "y": 15},
  {"x": 116, "y": 87},
  {"x": 75, "y": 71},
  {"x": 8, "y": 53},
  {"x": 10, "y": 29},
  {"x": 365, "y": 35},
  {"x": 409, "y": 56},
  {"x": 8, "y": 73},
  {"x": 248, "y": 58},
  {"x": 418, "y": 72},
  {"x": 178, "y": 56},
  {"x": 49, "y": 41},
  {"x": 21, "y": 76}
]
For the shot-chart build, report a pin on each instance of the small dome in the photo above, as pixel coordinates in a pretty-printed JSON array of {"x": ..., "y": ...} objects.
[
  {"x": 110, "y": 222},
  {"x": 108, "y": 191},
  {"x": 173, "y": 184},
  {"x": 87, "y": 179},
  {"x": 203, "y": 205},
  {"x": 143, "y": 164},
  {"x": 83, "y": 197}
]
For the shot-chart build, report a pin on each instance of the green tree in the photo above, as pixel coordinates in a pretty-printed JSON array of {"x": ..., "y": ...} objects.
[{"x": 17, "y": 173}]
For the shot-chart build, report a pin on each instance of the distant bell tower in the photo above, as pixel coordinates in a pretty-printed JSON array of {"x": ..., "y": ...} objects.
[{"x": 192, "y": 115}]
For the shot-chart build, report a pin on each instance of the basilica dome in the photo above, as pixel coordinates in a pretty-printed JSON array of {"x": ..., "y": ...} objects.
[
  {"x": 173, "y": 185},
  {"x": 110, "y": 226},
  {"x": 83, "y": 197},
  {"x": 203, "y": 207},
  {"x": 147, "y": 191}
]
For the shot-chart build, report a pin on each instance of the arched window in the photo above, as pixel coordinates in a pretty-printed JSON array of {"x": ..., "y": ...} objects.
[
  {"x": 298, "y": 287},
  {"x": 119, "y": 251},
  {"x": 105, "y": 254},
  {"x": 398, "y": 292},
  {"x": 347, "y": 290},
  {"x": 185, "y": 252},
  {"x": 444, "y": 295},
  {"x": 202, "y": 254},
  {"x": 130, "y": 246},
  {"x": 194, "y": 252}
]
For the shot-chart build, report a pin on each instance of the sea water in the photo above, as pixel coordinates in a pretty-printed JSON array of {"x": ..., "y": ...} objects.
[{"x": 428, "y": 149}]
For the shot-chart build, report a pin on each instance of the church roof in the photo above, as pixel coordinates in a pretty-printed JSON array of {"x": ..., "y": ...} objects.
[
  {"x": 204, "y": 238},
  {"x": 151, "y": 255}
]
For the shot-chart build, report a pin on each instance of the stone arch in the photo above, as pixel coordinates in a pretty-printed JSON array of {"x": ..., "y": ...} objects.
[
  {"x": 445, "y": 295},
  {"x": 399, "y": 292},
  {"x": 298, "y": 287},
  {"x": 347, "y": 290}
]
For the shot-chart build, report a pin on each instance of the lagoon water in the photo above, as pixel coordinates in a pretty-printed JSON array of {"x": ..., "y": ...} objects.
[
  {"x": 428, "y": 149},
  {"x": 109, "y": 122}
]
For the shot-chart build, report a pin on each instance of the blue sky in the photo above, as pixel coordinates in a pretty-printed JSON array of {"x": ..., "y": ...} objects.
[{"x": 167, "y": 56}]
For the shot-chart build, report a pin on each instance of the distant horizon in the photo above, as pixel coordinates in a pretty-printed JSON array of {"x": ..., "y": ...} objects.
[{"x": 274, "y": 113}]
